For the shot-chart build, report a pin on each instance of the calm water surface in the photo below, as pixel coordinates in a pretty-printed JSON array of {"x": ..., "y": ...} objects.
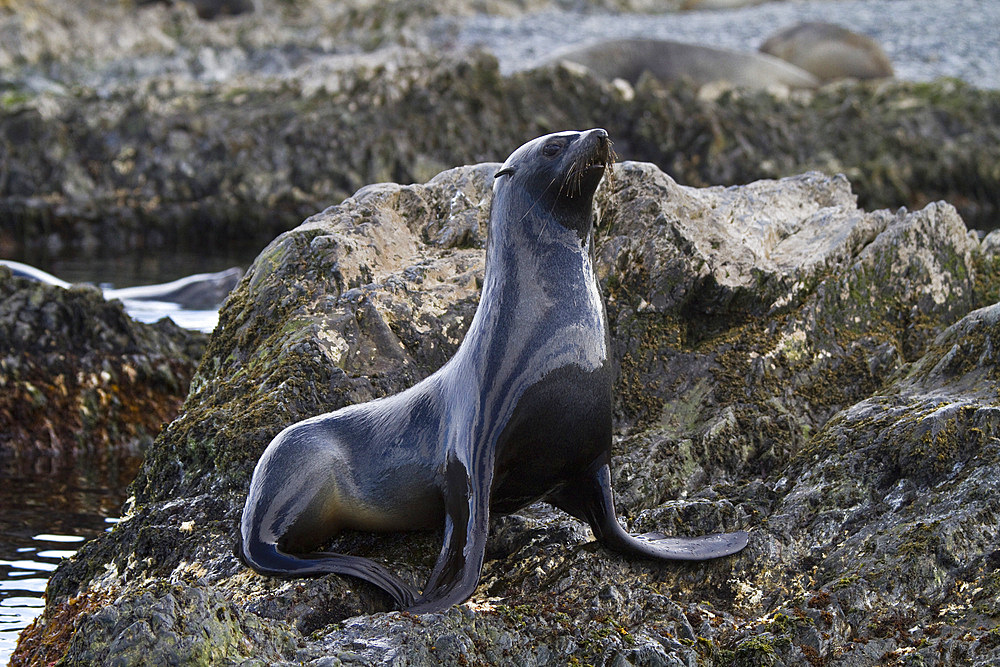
[
  {"x": 51, "y": 506},
  {"x": 135, "y": 268}
]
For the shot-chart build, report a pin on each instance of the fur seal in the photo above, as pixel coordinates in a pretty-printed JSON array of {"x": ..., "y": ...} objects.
[
  {"x": 675, "y": 61},
  {"x": 521, "y": 413},
  {"x": 829, "y": 52}
]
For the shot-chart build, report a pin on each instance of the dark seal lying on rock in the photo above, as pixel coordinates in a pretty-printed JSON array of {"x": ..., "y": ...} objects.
[
  {"x": 677, "y": 61},
  {"x": 522, "y": 412}
]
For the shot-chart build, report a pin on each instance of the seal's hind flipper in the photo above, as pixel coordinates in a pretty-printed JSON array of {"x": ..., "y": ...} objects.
[
  {"x": 703, "y": 547},
  {"x": 590, "y": 498}
]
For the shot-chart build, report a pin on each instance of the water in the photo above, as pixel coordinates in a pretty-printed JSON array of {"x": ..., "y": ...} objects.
[
  {"x": 139, "y": 268},
  {"x": 51, "y": 506}
]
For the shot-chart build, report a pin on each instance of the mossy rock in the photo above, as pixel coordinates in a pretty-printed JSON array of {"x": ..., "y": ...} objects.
[{"x": 789, "y": 363}]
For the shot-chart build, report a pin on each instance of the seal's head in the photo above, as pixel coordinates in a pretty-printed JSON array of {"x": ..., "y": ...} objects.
[{"x": 556, "y": 175}]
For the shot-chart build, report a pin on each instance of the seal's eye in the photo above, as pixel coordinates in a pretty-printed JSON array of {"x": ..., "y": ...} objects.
[{"x": 551, "y": 149}]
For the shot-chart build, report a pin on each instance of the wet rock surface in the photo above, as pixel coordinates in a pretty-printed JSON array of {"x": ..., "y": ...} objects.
[
  {"x": 77, "y": 374},
  {"x": 789, "y": 363}
]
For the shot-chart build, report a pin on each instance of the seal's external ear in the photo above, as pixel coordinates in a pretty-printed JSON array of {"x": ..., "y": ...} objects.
[{"x": 509, "y": 171}]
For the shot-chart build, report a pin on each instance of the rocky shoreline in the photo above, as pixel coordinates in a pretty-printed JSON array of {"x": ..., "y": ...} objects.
[
  {"x": 213, "y": 133},
  {"x": 78, "y": 375},
  {"x": 803, "y": 327},
  {"x": 218, "y": 176},
  {"x": 789, "y": 363}
]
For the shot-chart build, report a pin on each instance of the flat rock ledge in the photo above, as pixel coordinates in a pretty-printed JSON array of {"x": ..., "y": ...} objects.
[{"x": 822, "y": 376}]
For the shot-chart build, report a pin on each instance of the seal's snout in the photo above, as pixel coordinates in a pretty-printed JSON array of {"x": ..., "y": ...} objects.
[
  {"x": 599, "y": 136},
  {"x": 603, "y": 155},
  {"x": 598, "y": 148},
  {"x": 590, "y": 153}
]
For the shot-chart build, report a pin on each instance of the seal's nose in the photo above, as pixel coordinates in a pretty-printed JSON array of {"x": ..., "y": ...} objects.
[
  {"x": 601, "y": 135},
  {"x": 598, "y": 138}
]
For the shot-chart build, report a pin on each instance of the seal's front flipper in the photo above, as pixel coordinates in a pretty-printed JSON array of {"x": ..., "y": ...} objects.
[
  {"x": 459, "y": 566},
  {"x": 590, "y": 498}
]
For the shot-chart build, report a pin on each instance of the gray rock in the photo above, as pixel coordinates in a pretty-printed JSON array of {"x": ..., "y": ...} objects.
[{"x": 791, "y": 364}]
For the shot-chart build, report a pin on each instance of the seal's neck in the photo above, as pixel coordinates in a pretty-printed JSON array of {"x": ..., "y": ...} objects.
[
  {"x": 535, "y": 245},
  {"x": 519, "y": 220},
  {"x": 539, "y": 286},
  {"x": 531, "y": 258}
]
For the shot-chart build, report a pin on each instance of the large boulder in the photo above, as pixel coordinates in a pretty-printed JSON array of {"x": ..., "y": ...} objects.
[{"x": 789, "y": 364}]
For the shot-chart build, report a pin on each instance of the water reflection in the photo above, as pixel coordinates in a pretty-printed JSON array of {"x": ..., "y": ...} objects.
[{"x": 51, "y": 506}]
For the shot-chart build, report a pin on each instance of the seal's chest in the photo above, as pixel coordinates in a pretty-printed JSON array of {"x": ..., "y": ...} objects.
[{"x": 558, "y": 428}]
